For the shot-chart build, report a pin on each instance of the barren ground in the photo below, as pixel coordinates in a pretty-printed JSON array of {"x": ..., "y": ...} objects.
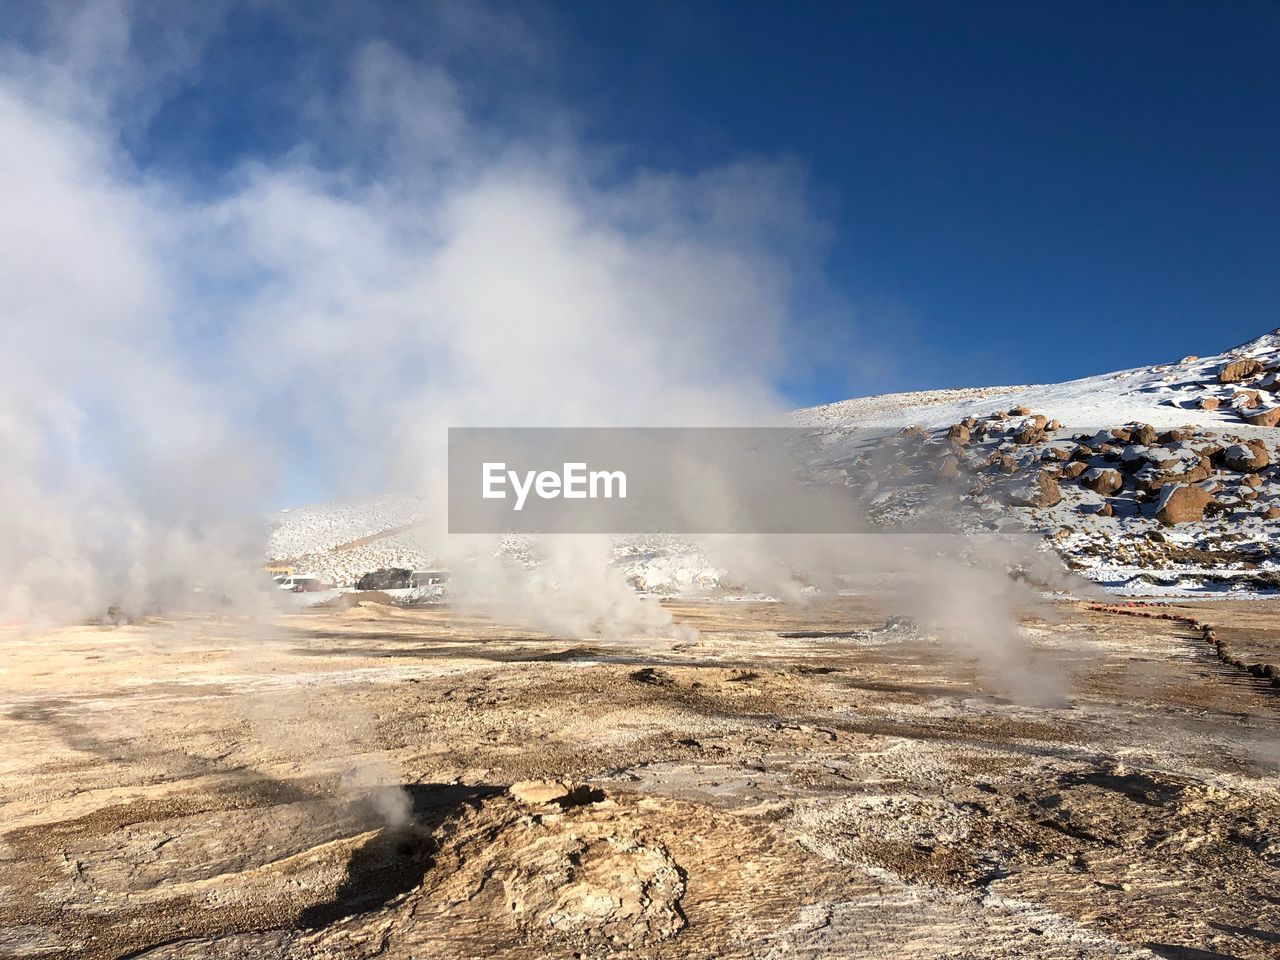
[{"x": 339, "y": 784}]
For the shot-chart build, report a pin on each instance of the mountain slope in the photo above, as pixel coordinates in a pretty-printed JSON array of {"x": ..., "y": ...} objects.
[
  {"x": 1165, "y": 395},
  {"x": 1095, "y": 464}
]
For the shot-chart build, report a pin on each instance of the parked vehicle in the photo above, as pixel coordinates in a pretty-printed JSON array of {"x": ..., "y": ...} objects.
[{"x": 301, "y": 583}]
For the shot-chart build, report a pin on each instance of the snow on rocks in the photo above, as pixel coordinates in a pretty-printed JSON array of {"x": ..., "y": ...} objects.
[{"x": 1103, "y": 480}]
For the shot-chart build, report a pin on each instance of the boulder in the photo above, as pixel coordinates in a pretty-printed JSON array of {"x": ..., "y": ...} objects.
[
  {"x": 1039, "y": 491},
  {"x": 1106, "y": 510},
  {"x": 1074, "y": 469},
  {"x": 1180, "y": 503},
  {"x": 539, "y": 792},
  {"x": 1245, "y": 399},
  {"x": 1144, "y": 434},
  {"x": 1136, "y": 456},
  {"x": 1247, "y": 457},
  {"x": 1029, "y": 433},
  {"x": 1123, "y": 434},
  {"x": 1237, "y": 370},
  {"x": 1265, "y": 417},
  {"x": 950, "y": 468},
  {"x": 1177, "y": 434},
  {"x": 1020, "y": 411},
  {"x": 1103, "y": 480},
  {"x": 1003, "y": 462},
  {"x": 1209, "y": 403},
  {"x": 1154, "y": 476},
  {"x": 1271, "y": 513},
  {"x": 959, "y": 434},
  {"x": 1208, "y": 448}
]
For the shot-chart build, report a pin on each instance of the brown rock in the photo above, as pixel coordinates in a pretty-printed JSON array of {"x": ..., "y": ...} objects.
[
  {"x": 1180, "y": 503},
  {"x": 1074, "y": 469},
  {"x": 1209, "y": 403},
  {"x": 958, "y": 433},
  {"x": 1106, "y": 510},
  {"x": 1004, "y": 462},
  {"x": 1245, "y": 399},
  {"x": 1040, "y": 491},
  {"x": 950, "y": 468},
  {"x": 1029, "y": 433},
  {"x": 539, "y": 792},
  {"x": 1151, "y": 479},
  {"x": 1238, "y": 370},
  {"x": 1144, "y": 434},
  {"x": 1268, "y": 417},
  {"x": 1103, "y": 480},
  {"x": 1271, "y": 513},
  {"x": 1020, "y": 411},
  {"x": 1248, "y": 457}
]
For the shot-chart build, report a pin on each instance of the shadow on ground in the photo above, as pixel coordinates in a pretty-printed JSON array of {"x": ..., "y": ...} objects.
[{"x": 396, "y": 859}]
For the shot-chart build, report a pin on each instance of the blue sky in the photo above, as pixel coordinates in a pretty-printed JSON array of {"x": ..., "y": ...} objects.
[
  {"x": 1013, "y": 191},
  {"x": 326, "y": 231}
]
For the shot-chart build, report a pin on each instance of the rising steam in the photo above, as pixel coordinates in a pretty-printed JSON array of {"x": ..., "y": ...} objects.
[{"x": 175, "y": 351}]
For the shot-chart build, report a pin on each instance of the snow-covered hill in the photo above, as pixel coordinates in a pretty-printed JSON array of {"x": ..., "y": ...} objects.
[
  {"x": 1155, "y": 479},
  {"x": 1165, "y": 395}
]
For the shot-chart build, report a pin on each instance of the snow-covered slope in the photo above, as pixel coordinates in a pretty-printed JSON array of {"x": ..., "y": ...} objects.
[
  {"x": 1165, "y": 395},
  {"x": 1199, "y": 411},
  {"x": 340, "y": 540}
]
